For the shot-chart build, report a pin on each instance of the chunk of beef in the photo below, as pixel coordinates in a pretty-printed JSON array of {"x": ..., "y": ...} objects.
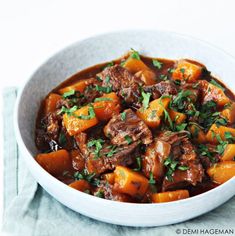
[
  {"x": 108, "y": 192},
  {"x": 123, "y": 129},
  {"x": 122, "y": 82},
  {"x": 182, "y": 178},
  {"x": 78, "y": 161},
  {"x": 47, "y": 133},
  {"x": 109, "y": 157},
  {"x": 177, "y": 146}
]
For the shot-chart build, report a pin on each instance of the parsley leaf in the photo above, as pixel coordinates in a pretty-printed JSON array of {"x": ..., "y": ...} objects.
[
  {"x": 128, "y": 139},
  {"x": 183, "y": 168},
  {"x": 107, "y": 89},
  {"x": 151, "y": 178},
  {"x": 181, "y": 127},
  {"x": 69, "y": 93},
  {"x": 123, "y": 116},
  {"x": 135, "y": 54},
  {"x": 91, "y": 114},
  {"x": 139, "y": 164},
  {"x": 171, "y": 167},
  {"x": 97, "y": 143},
  {"x": 214, "y": 82},
  {"x": 68, "y": 111},
  {"x": 146, "y": 99},
  {"x": 103, "y": 99},
  {"x": 157, "y": 64}
]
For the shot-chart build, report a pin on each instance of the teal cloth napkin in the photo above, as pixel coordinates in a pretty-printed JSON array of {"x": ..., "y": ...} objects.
[{"x": 29, "y": 210}]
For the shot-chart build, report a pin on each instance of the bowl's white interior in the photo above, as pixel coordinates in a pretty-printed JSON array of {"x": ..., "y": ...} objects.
[{"x": 105, "y": 48}]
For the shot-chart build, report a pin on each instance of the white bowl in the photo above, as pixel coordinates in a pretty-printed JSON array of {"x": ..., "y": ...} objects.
[{"x": 105, "y": 48}]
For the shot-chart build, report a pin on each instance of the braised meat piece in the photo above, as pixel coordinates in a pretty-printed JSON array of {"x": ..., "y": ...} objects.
[
  {"x": 105, "y": 190},
  {"x": 122, "y": 82},
  {"x": 181, "y": 178},
  {"x": 109, "y": 157},
  {"x": 126, "y": 128}
]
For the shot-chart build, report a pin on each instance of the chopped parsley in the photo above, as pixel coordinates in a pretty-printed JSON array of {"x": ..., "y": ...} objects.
[
  {"x": 102, "y": 89},
  {"x": 97, "y": 143},
  {"x": 135, "y": 54},
  {"x": 91, "y": 114},
  {"x": 86, "y": 176},
  {"x": 214, "y": 82},
  {"x": 99, "y": 193},
  {"x": 157, "y": 64},
  {"x": 68, "y": 111},
  {"x": 69, "y": 93},
  {"x": 146, "y": 99},
  {"x": 183, "y": 168},
  {"x": 151, "y": 178},
  {"x": 113, "y": 150},
  {"x": 181, "y": 127},
  {"x": 139, "y": 165},
  {"x": 171, "y": 167},
  {"x": 109, "y": 64},
  {"x": 180, "y": 101},
  {"x": 103, "y": 99},
  {"x": 62, "y": 138},
  {"x": 123, "y": 116},
  {"x": 128, "y": 139}
]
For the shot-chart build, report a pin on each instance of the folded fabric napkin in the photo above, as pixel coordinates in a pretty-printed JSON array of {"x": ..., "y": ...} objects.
[{"x": 30, "y": 210}]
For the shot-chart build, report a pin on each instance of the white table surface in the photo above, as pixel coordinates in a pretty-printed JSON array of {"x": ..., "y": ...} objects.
[{"x": 32, "y": 30}]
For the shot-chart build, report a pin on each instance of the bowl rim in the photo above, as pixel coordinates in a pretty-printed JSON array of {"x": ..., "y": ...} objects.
[{"x": 89, "y": 197}]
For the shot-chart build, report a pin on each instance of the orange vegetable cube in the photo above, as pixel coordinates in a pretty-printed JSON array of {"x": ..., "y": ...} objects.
[
  {"x": 81, "y": 185},
  {"x": 187, "y": 71},
  {"x": 50, "y": 102},
  {"x": 210, "y": 92},
  {"x": 130, "y": 182},
  {"x": 214, "y": 130},
  {"x": 105, "y": 109},
  {"x": 177, "y": 117},
  {"x": 170, "y": 196},
  {"x": 78, "y": 86},
  {"x": 229, "y": 114},
  {"x": 109, "y": 177},
  {"x": 197, "y": 134},
  {"x": 55, "y": 162},
  {"x": 222, "y": 172},
  {"x": 152, "y": 115},
  {"x": 141, "y": 70},
  {"x": 229, "y": 153},
  {"x": 75, "y": 125}
]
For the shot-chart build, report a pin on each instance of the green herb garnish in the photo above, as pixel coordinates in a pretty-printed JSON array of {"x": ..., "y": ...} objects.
[
  {"x": 214, "y": 82},
  {"x": 128, "y": 139},
  {"x": 139, "y": 165},
  {"x": 103, "y": 99},
  {"x": 123, "y": 116},
  {"x": 157, "y": 63},
  {"x": 151, "y": 178},
  {"x": 97, "y": 143},
  {"x": 135, "y": 54},
  {"x": 69, "y": 93},
  {"x": 146, "y": 99},
  {"x": 102, "y": 89}
]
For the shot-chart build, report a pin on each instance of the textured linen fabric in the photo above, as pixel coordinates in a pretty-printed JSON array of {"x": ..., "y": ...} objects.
[{"x": 31, "y": 211}]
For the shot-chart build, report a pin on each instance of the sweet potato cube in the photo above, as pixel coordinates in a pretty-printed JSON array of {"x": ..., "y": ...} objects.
[
  {"x": 78, "y": 86},
  {"x": 210, "y": 92},
  {"x": 55, "y": 162},
  {"x": 141, "y": 70},
  {"x": 229, "y": 113},
  {"x": 107, "y": 106},
  {"x": 198, "y": 134},
  {"x": 187, "y": 71},
  {"x": 50, "y": 102},
  {"x": 222, "y": 171},
  {"x": 130, "y": 182},
  {"x": 177, "y": 117},
  {"x": 152, "y": 115},
  {"x": 221, "y": 131},
  {"x": 81, "y": 185},
  {"x": 170, "y": 196},
  {"x": 229, "y": 153},
  {"x": 75, "y": 125}
]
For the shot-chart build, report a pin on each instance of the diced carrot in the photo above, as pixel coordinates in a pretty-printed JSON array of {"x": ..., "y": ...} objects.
[
  {"x": 81, "y": 185},
  {"x": 50, "y": 102},
  {"x": 198, "y": 134},
  {"x": 221, "y": 131},
  {"x": 187, "y": 71},
  {"x": 141, "y": 70},
  {"x": 55, "y": 162},
  {"x": 170, "y": 196},
  {"x": 152, "y": 115},
  {"x": 105, "y": 109},
  {"x": 229, "y": 153},
  {"x": 210, "y": 92},
  {"x": 177, "y": 117},
  {"x": 130, "y": 182},
  {"x": 222, "y": 171},
  {"x": 78, "y": 86},
  {"x": 75, "y": 125},
  {"x": 229, "y": 113},
  {"x": 109, "y": 177}
]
